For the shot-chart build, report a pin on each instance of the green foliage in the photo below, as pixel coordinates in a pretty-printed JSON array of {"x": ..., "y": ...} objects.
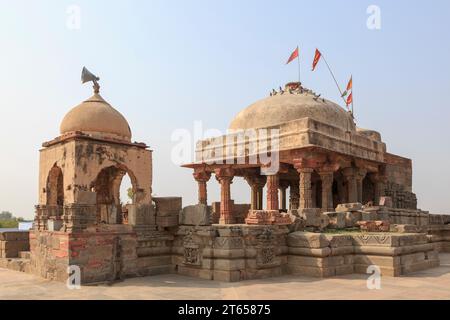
[
  {"x": 7, "y": 220},
  {"x": 6, "y": 215},
  {"x": 130, "y": 193},
  {"x": 9, "y": 223}
]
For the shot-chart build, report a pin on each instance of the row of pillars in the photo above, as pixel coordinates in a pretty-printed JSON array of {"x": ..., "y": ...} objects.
[{"x": 300, "y": 192}]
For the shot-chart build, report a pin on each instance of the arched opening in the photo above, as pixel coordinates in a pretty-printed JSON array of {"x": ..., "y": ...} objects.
[
  {"x": 55, "y": 191},
  {"x": 126, "y": 196},
  {"x": 115, "y": 191},
  {"x": 368, "y": 191}
]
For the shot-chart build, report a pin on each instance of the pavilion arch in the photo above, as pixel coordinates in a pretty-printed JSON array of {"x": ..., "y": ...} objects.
[
  {"x": 107, "y": 188},
  {"x": 55, "y": 190}
]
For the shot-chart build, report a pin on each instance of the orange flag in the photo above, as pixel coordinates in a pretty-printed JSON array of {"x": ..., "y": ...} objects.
[
  {"x": 316, "y": 59},
  {"x": 350, "y": 84},
  {"x": 293, "y": 55},
  {"x": 349, "y": 99}
]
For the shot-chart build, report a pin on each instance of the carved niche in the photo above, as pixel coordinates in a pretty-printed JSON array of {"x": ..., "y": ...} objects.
[{"x": 191, "y": 250}]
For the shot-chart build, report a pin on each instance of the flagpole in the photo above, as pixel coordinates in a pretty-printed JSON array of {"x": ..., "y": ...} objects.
[
  {"x": 334, "y": 78},
  {"x": 353, "y": 98},
  {"x": 298, "y": 60}
]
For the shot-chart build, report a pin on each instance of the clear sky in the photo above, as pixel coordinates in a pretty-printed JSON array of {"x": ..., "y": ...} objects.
[{"x": 167, "y": 64}]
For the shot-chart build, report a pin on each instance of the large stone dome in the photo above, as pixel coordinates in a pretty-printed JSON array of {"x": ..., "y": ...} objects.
[
  {"x": 288, "y": 106},
  {"x": 97, "y": 118}
]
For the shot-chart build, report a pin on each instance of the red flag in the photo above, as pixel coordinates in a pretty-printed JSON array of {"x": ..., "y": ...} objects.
[
  {"x": 349, "y": 99},
  {"x": 316, "y": 59},
  {"x": 350, "y": 84},
  {"x": 293, "y": 55}
]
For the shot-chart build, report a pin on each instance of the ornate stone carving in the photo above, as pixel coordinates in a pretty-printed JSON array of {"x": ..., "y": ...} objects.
[
  {"x": 191, "y": 249},
  {"x": 374, "y": 226},
  {"x": 272, "y": 192},
  {"x": 225, "y": 178},
  {"x": 267, "y": 217},
  {"x": 266, "y": 253},
  {"x": 202, "y": 177}
]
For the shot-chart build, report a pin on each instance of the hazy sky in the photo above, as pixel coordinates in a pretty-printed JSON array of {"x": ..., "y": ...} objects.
[{"x": 167, "y": 64}]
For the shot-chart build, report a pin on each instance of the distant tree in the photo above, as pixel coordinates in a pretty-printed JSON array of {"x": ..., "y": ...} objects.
[
  {"x": 20, "y": 219},
  {"x": 130, "y": 193},
  {"x": 6, "y": 215}
]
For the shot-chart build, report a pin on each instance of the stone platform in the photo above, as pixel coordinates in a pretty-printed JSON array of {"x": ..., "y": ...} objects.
[{"x": 325, "y": 255}]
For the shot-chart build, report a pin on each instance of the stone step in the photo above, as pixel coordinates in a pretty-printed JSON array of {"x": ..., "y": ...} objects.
[{"x": 24, "y": 254}]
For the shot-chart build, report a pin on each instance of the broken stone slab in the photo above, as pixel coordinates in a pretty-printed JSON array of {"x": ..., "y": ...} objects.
[
  {"x": 337, "y": 219},
  {"x": 405, "y": 228},
  {"x": 352, "y": 218},
  {"x": 297, "y": 223},
  {"x": 196, "y": 215},
  {"x": 314, "y": 218},
  {"x": 349, "y": 207},
  {"x": 374, "y": 226},
  {"x": 369, "y": 216}
]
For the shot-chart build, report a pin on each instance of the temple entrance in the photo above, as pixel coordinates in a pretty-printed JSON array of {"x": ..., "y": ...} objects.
[{"x": 115, "y": 191}]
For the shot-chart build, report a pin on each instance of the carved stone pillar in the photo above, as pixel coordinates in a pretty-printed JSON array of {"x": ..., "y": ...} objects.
[
  {"x": 294, "y": 196},
  {"x": 283, "y": 185},
  {"x": 327, "y": 190},
  {"x": 202, "y": 177},
  {"x": 256, "y": 183},
  {"x": 305, "y": 188},
  {"x": 251, "y": 180},
  {"x": 272, "y": 192},
  {"x": 360, "y": 175},
  {"x": 225, "y": 177},
  {"x": 352, "y": 190}
]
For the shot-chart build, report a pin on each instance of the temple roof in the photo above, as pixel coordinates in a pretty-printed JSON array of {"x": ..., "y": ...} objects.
[
  {"x": 292, "y": 103},
  {"x": 97, "y": 118}
]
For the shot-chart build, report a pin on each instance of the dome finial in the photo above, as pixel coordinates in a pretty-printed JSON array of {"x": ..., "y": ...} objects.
[{"x": 87, "y": 76}]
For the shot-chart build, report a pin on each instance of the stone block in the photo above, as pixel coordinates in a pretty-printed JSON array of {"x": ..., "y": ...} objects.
[
  {"x": 85, "y": 197},
  {"x": 167, "y": 206},
  {"x": 311, "y": 271},
  {"x": 167, "y": 221},
  {"x": 195, "y": 272},
  {"x": 307, "y": 240},
  {"x": 349, "y": 207},
  {"x": 368, "y": 216},
  {"x": 227, "y": 276},
  {"x": 314, "y": 218},
  {"x": 352, "y": 218},
  {"x": 229, "y": 264},
  {"x": 386, "y": 202},
  {"x": 196, "y": 215},
  {"x": 337, "y": 219},
  {"x": 405, "y": 228},
  {"x": 14, "y": 235},
  {"x": 374, "y": 226},
  {"x": 54, "y": 225}
]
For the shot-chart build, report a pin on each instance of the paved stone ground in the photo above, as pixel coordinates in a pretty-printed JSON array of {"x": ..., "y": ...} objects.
[{"x": 429, "y": 284}]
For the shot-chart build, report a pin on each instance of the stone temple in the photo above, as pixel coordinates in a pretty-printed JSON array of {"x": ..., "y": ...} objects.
[{"x": 350, "y": 205}]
